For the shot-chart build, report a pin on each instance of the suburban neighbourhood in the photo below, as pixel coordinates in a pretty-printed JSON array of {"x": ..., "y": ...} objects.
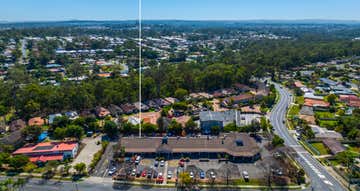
[{"x": 190, "y": 105}]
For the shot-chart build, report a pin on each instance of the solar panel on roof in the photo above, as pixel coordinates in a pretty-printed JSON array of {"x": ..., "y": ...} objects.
[{"x": 43, "y": 147}]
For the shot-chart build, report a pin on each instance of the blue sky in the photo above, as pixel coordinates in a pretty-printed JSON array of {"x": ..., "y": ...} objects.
[{"x": 45, "y": 10}]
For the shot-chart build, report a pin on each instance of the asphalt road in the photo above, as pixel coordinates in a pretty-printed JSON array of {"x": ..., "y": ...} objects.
[{"x": 320, "y": 178}]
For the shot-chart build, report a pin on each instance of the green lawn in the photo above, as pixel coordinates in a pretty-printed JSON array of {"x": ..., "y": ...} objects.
[
  {"x": 321, "y": 148},
  {"x": 328, "y": 123},
  {"x": 324, "y": 114},
  {"x": 299, "y": 100},
  {"x": 294, "y": 110}
]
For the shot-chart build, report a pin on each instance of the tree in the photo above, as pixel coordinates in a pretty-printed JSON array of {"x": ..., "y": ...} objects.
[
  {"x": 345, "y": 157},
  {"x": 185, "y": 179},
  {"x": 80, "y": 168},
  {"x": 331, "y": 99},
  {"x": 181, "y": 93},
  {"x": 111, "y": 129},
  {"x": 29, "y": 167},
  {"x": 31, "y": 133},
  {"x": 59, "y": 133},
  {"x": 18, "y": 161},
  {"x": 277, "y": 141},
  {"x": 264, "y": 124},
  {"x": 215, "y": 130},
  {"x": 62, "y": 121},
  {"x": 190, "y": 126},
  {"x": 175, "y": 127},
  {"x": 4, "y": 158},
  {"x": 149, "y": 128},
  {"x": 74, "y": 131}
]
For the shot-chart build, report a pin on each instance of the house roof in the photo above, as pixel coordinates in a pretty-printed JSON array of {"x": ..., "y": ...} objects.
[
  {"x": 45, "y": 158},
  {"x": 242, "y": 97},
  {"x": 226, "y": 144},
  {"x": 36, "y": 121},
  {"x": 298, "y": 84},
  {"x": 316, "y": 103},
  {"x": 102, "y": 112},
  {"x": 17, "y": 124},
  {"x": 46, "y": 147},
  {"x": 251, "y": 109},
  {"x": 334, "y": 145}
]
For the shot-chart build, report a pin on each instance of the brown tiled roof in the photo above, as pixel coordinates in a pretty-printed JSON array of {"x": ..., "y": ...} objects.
[
  {"x": 225, "y": 143},
  {"x": 334, "y": 146}
]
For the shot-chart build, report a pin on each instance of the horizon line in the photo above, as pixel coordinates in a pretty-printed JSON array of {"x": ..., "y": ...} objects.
[{"x": 186, "y": 20}]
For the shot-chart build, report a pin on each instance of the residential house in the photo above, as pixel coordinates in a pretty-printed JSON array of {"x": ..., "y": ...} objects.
[
  {"x": 36, "y": 121},
  {"x": 323, "y": 133},
  {"x": 141, "y": 106},
  {"x": 17, "y": 125},
  {"x": 334, "y": 146},
  {"x": 72, "y": 115},
  {"x": 128, "y": 108},
  {"x": 101, "y": 112},
  {"x": 52, "y": 117}
]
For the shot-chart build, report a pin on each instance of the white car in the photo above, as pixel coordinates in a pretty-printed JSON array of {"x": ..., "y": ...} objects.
[
  {"x": 112, "y": 171},
  {"x": 212, "y": 175},
  {"x": 191, "y": 175},
  {"x": 245, "y": 174},
  {"x": 133, "y": 172},
  {"x": 162, "y": 163},
  {"x": 169, "y": 174}
]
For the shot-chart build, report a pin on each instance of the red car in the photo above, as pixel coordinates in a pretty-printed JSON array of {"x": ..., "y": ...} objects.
[
  {"x": 160, "y": 179},
  {"x": 181, "y": 163},
  {"x": 143, "y": 174}
]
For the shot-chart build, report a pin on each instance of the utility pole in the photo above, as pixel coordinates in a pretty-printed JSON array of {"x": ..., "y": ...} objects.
[{"x": 140, "y": 68}]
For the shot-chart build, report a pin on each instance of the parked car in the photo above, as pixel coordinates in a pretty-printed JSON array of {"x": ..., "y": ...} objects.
[
  {"x": 156, "y": 163},
  {"x": 143, "y": 174},
  {"x": 169, "y": 174},
  {"x": 245, "y": 175},
  {"x": 149, "y": 173},
  {"x": 162, "y": 163},
  {"x": 138, "y": 159},
  {"x": 112, "y": 171},
  {"x": 191, "y": 175},
  {"x": 181, "y": 163},
  {"x": 155, "y": 174},
  {"x": 202, "y": 174},
  {"x": 160, "y": 178},
  {"x": 212, "y": 175},
  {"x": 133, "y": 172}
]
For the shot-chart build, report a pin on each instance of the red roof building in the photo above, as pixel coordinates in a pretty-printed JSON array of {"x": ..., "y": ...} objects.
[
  {"x": 49, "y": 151},
  {"x": 36, "y": 121},
  {"x": 316, "y": 103}
]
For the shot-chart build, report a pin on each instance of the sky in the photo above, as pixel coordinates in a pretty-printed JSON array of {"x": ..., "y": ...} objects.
[{"x": 56, "y": 10}]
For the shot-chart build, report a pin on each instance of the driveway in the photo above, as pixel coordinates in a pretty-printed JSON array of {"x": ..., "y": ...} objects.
[{"x": 87, "y": 153}]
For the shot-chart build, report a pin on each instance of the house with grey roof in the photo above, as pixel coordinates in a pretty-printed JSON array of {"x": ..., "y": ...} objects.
[{"x": 209, "y": 119}]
